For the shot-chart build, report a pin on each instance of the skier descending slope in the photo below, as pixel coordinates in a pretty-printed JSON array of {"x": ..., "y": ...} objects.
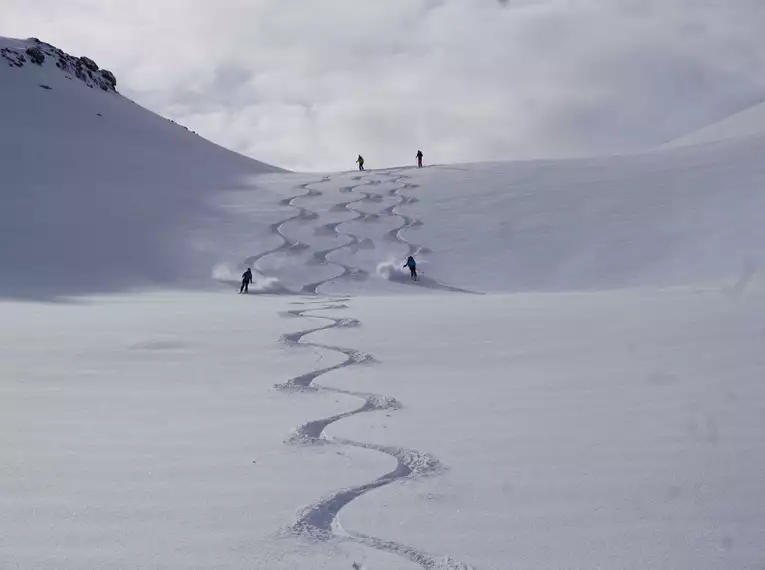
[
  {"x": 412, "y": 265},
  {"x": 419, "y": 159},
  {"x": 246, "y": 280},
  {"x": 360, "y": 161}
]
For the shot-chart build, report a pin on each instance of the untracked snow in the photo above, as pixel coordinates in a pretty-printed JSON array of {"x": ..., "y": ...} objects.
[{"x": 574, "y": 381}]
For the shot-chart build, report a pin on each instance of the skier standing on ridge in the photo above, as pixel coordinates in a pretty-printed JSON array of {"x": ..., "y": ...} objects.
[
  {"x": 419, "y": 159},
  {"x": 412, "y": 265},
  {"x": 246, "y": 280},
  {"x": 360, "y": 161}
]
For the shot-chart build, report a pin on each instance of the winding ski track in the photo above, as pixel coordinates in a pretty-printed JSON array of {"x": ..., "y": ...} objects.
[
  {"x": 319, "y": 520},
  {"x": 320, "y": 256},
  {"x": 409, "y": 222}
]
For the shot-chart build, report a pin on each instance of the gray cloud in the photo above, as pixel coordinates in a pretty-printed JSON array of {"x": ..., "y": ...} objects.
[{"x": 308, "y": 85}]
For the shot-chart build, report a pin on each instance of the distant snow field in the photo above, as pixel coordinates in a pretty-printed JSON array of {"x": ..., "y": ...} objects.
[{"x": 574, "y": 381}]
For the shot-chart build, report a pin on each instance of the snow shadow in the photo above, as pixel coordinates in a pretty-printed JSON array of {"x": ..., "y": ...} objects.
[{"x": 100, "y": 195}]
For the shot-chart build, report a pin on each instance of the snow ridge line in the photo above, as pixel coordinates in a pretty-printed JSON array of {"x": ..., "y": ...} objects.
[{"x": 319, "y": 521}]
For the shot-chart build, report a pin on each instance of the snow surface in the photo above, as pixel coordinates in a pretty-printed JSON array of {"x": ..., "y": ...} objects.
[
  {"x": 750, "y": 122},
  {"x": 98, "y": 194},
  {"x": 574, "y": 382}
]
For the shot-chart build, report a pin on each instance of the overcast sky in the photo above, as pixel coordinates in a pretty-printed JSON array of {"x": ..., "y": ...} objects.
[{"x": 309, "y": 84}]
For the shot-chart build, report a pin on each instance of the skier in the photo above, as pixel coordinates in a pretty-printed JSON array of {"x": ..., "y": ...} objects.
[
  {"x": 412, "y": 265},
  {"x": 360, "y": 161},
  {"x": 419, "y": 159},
  {"x": 246, "y": 280}
]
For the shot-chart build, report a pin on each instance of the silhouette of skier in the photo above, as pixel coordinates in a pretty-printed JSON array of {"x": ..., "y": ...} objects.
[
  {"x": 419, "y": 159},
  {"x": 360, "y": 161},
  {"x": 412, "y": 265},
  {"x": 246, "y": 280}
]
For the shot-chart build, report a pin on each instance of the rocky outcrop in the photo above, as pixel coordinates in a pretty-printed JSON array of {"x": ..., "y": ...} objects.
[
  {"x": 36, "y": 55},
  {"x": 89, "y": 63},
  {"x": 109, "y": 78},
  {"x": 83, "y": 68},
  {"x": 13, "y": 57}
]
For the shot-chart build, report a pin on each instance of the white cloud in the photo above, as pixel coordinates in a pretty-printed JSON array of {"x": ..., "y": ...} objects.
[{"x": 308, "y": 84}]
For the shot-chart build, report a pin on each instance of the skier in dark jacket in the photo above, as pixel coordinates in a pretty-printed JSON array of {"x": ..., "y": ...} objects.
[
  {"x": 246, "y": 280},
  {"x": 412, "y": 265},
  {"x": 360, "y": 161},
  {"x": 419, "y": 159}
]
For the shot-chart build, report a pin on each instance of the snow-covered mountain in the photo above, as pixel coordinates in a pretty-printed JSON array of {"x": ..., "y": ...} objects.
[
  {"x": 100, "y": 194},
  {"x": 96, "y": 191},
  {"x": 574, "y": 381}
]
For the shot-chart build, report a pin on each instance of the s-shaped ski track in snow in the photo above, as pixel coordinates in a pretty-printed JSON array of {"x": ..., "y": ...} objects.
[
  {"x": 278, "y": 227},
  {"x": 395, "y": 235},
  {"x": 320, "y": 520},
  {"x": 320, "y": 256}
]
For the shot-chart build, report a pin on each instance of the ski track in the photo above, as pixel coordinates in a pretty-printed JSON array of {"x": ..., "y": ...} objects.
[
  {"x": 321, "y": 256},
  {"x": 319, "y": 521},
  {"x": 287, "y": 244}
]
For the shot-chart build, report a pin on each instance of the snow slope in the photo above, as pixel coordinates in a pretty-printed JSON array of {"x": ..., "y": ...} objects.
[
  {"x": 96, "y": 191},
  {"x": 750, "y": 122},
  {"x": 127, "y": 199},
  {"x": 574, "y": 381},
  {"x": 619, "y": 430},
  {"x": 673, "y": 217},
  {"x": 603, "y": 430}
]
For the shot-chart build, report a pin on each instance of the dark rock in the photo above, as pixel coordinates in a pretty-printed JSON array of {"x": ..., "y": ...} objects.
[
  {"x": 89, "y": 63},
  {"x": 14, "y": 58},
  {"x": 109, "y": 77},
  {"x": 36, "y": 55}
]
